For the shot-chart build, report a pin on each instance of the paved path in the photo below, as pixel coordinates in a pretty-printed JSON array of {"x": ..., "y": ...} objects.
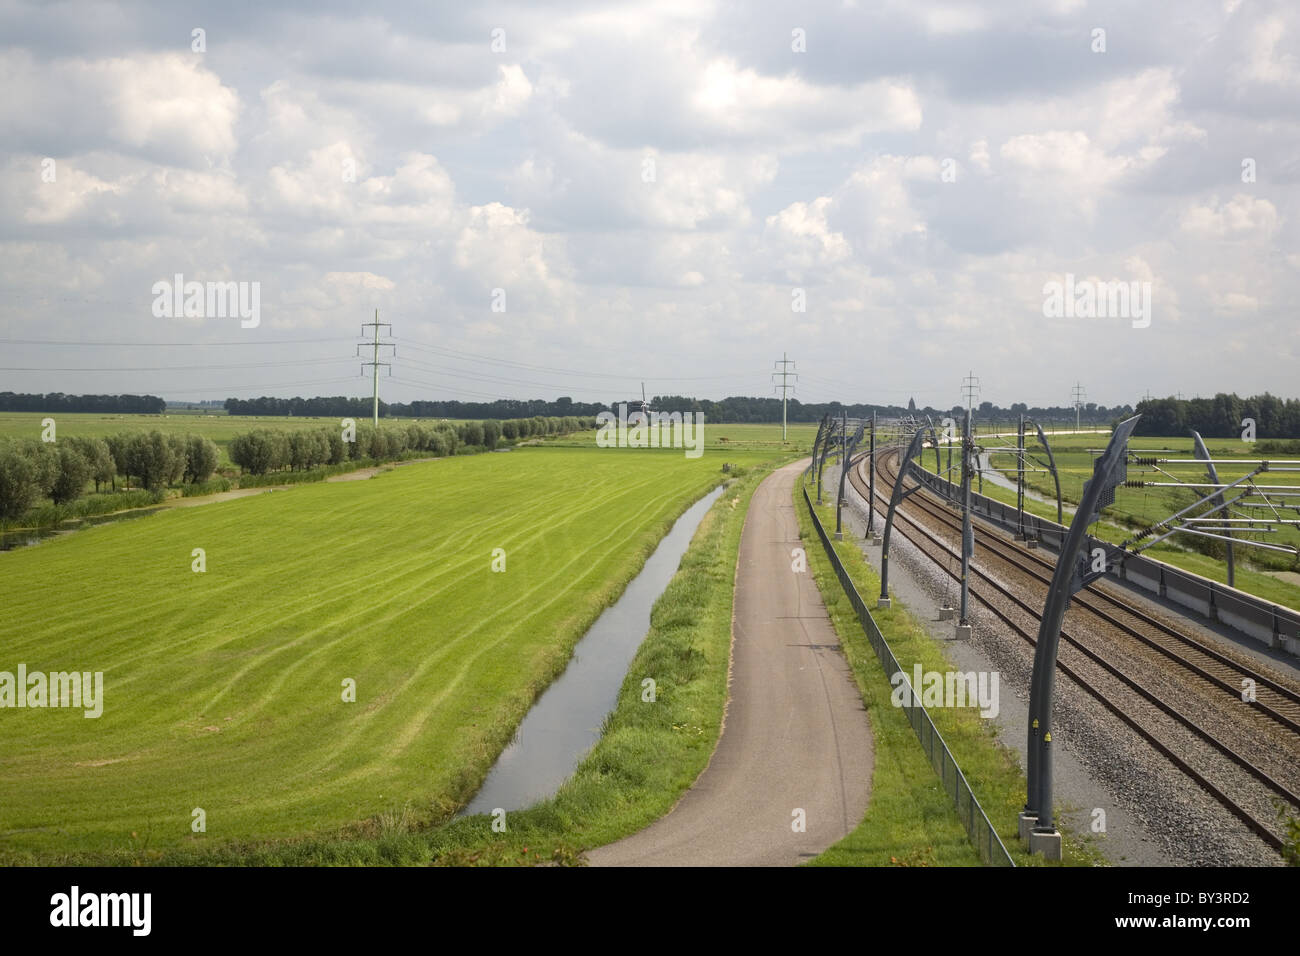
[{"x": 796, "y": 734}]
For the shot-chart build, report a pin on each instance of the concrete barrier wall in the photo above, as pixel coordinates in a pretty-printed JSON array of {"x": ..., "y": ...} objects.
[
  {"x": 1249, "y": 617},
  {"x": 1270, "y": 624},
  {"x": 1188, "y": 592},
  {"x": 1144, "y": 573},
  {"x": 1288, "y": 630}
]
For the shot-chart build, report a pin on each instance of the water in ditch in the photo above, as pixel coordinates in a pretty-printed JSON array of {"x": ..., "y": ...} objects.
[
  {"x": 23, "y": 538},
  {"x": 565, "y": 721}
]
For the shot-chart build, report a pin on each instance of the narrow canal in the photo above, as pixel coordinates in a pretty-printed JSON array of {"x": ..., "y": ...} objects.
[{"x": 565, "y": 722}]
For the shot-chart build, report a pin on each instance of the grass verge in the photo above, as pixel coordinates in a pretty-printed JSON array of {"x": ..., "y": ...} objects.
[{"x": 911, "y": 821}]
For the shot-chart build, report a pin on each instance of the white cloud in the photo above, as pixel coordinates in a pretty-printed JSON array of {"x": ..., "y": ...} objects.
[
  {"x": 731, "y": 101},
  {"x": 875, "y": 207},
  {"x": 1267, "y": 61},
  {"x": 497, "y": 250},
  {"x": 354, "y": 161},
  {"x": 1241, "y": 216},
  {"x": 69, "y": 193},
  {"x": 166, "y": 107},
  {"x": 1069, "y": 156}
]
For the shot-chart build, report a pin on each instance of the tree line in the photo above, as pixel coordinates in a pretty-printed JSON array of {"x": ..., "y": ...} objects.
[
  {"x": 768, "y": 410},
  {"x": 1221, "y": 416},
  {"x": 735, "y": 409},
  {"x": 270, "y": 449},
  {"x": 31, "y": 470},
  {"x": 1218, "y": 417},
  {"x": 58, "y": 402},
  {"x": 339, "y": 406}
]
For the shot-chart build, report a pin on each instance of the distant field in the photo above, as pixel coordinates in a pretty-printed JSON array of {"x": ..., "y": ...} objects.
[
  {"x": 799, "y": 436},
  {"x": 720, "y": 438},
  {"x": 221, "y": 427},
  {"x": 222, "y": 689}
]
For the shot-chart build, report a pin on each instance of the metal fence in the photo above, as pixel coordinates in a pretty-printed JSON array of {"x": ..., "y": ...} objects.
[{"x": 987, "y": 843}]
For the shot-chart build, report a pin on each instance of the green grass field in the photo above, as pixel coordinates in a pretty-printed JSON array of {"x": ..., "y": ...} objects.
[
  {"x": 737, "y": 438},
  {"x": 223, "y": 689},
  {"x": 221, "y": 428}
]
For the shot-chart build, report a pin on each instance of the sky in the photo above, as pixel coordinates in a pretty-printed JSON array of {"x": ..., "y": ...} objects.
[{"x": 571, "y": 198}]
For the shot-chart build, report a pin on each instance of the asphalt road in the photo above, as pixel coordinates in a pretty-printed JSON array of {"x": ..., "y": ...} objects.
[{"x": 796, "y": 736}]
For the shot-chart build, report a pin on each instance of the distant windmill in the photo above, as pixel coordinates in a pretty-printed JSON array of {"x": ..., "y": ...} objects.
[{"x": 642, "y": 407}]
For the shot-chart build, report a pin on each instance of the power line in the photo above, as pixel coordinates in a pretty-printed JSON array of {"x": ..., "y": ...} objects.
[
  {"x": 1079, "y": 393},
  {"x": 489, "y": 360},
  {"x": 785, "y": 373},
  {"x": 454, "y": 390},
  {"x": 374, "y": 363},
  {"x": 424, "y": 366},
  {"x": 247, "y": 388},
  {"x": 169, "y": 345},
  {"x": 970, "y": 386},
  {"x": 177, "y": 368}
]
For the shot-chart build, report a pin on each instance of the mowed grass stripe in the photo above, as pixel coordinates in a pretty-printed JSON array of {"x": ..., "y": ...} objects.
[
  {"x": 615, "y": 538},
  {"x": 447, "y": 656},
  {"x": 70, "y": 621},
  {"x": 397, "y": 599}
]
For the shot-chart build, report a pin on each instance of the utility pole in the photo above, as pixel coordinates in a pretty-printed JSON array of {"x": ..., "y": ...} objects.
[
  {"x": 1020, "y": 481},
  {"x": 970, "y": 387},
  {"x": 967, "y": 533},
  {"x": 871, "y": 484},
  {"x": 1108, "y": 472},
  {"x": 1080, "y": 393},
  {"x": 844, "y": 470},
  {"x": 374, "y": 362},
  {"x": 784, "y": 375}
]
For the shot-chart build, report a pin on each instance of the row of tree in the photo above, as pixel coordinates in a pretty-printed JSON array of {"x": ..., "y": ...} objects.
[
  {"x": 31, "y": 470},
  {"x": 768, "y": 410},
  {"x": 339, "y": 406},
  {"x": 1221, "y": 416},
  {"x": 734, "y": 409},
  {"x": 500, "y": 409},
  {"x": 330, "y": 406},
  {"x": 1218, "y": 417},
  {"x": 271, "y": 449},
  {"x": 53, "y": 402}
]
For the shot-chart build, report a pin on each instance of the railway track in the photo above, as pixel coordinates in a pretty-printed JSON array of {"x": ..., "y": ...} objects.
[
  {"x": 1275, "y": 700},
  {"x": 1276, "y": 705}
]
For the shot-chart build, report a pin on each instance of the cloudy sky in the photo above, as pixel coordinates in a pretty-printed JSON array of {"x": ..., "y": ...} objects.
[{"x": 571, "y": 197}]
